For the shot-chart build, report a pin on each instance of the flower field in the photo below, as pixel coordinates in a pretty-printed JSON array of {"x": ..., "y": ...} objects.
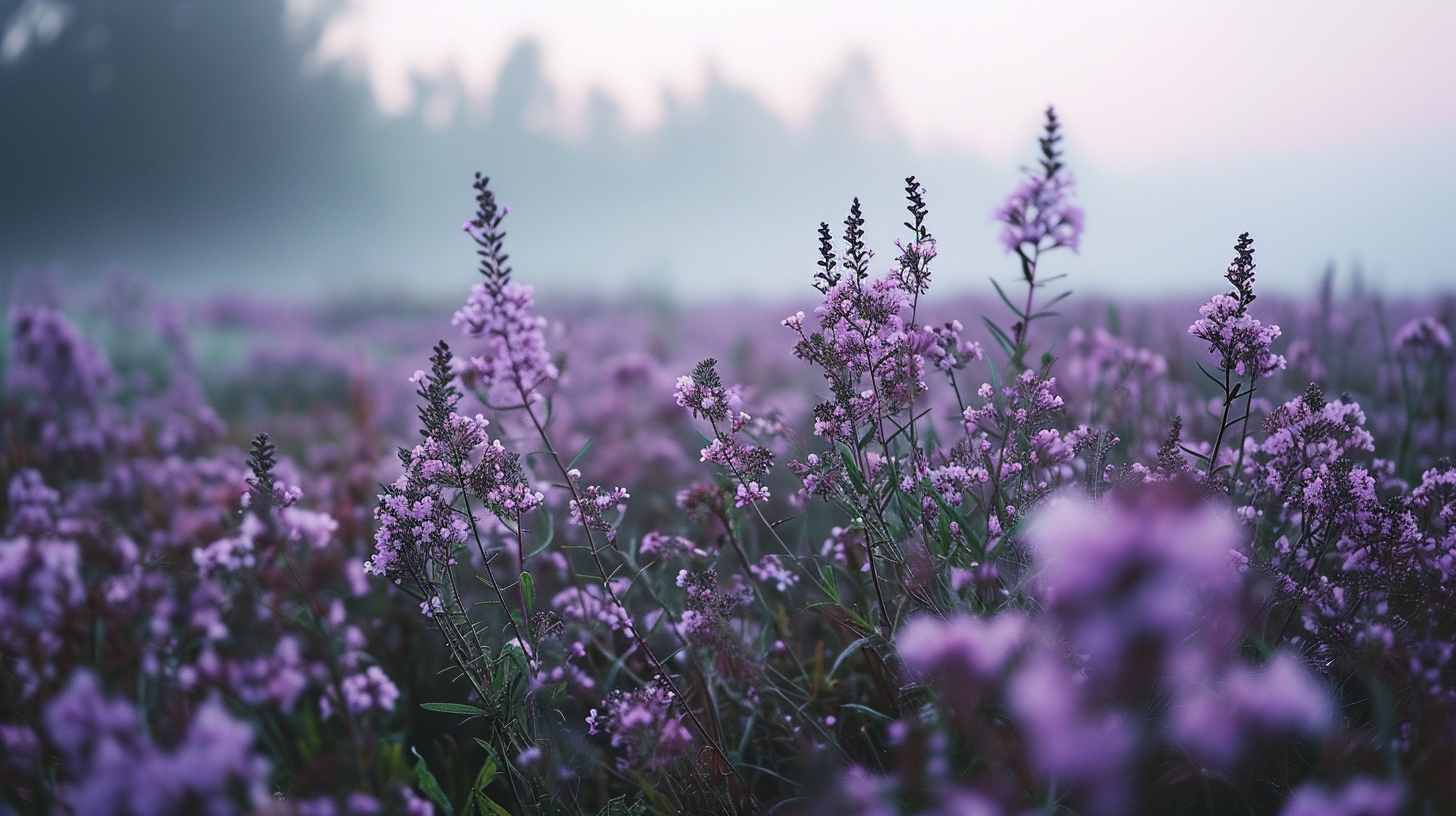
[{"x": 1031, "y": 553}]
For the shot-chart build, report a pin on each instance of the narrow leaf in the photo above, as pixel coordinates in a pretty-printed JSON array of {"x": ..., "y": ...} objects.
[
  {"x": 429, "y": 785},
  {"x": 550, "y": 532},
  {"x": 1016, "y": 310},
  {"x": 528, "y": 590},
  {"x": 582, "y": 452},
  {"x": 452, "y": 708}
]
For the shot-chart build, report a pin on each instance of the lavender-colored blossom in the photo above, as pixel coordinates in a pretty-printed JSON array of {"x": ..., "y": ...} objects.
[
  {"x": 1423, "y": 337},
  {"x": 961, "y": 652},
  {"x": 1358, "y": 797},
  {"x": 1243, "y": 343},
  {"x": 644, "y": 732},
  {"x": 369, "y": 690},
  {"x": 514, "y": 359},
  {"x": 1088, "y": 750},
  {"x": 590, "y": 604},
  {"x": 771, "y": 570},
  {"x": 702, "y": 393},
  {"x": 1279, "y": 700},
  {"x": 590, "y": 510},
  {"x": 1039, "y": 214},
  {"x": 40, "y": 589},
  {"x": 114, "y": 768},
  {"x": 1135, "y": 578},
  {"x": 660, "y": 545},
  {"x": 750, "y": 493}
]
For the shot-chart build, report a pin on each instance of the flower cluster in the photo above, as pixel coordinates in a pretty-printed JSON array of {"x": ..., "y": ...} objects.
[
  {"x": 113, "y": 767},
  {"x": 498, "y": 312},
  {"x": 643, "y": 730},
  {"x": 1244, "y": 345},
  {"x": 1039, "y": 214}
]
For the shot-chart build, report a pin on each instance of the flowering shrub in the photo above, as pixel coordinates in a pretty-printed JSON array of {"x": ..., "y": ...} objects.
[{"x": 909, "y": 568}]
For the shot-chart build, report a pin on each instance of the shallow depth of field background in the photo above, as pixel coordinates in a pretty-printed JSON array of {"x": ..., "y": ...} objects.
[{"x": 308, "y": 150}]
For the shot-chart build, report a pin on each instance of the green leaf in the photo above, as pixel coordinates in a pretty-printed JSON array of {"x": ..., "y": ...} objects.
[
  {"x": 550, "y": 532},
  {"x": 1000, "y": 337},
  {"x": 528, "y": 590},
  {"x": 453, "y": 708},
  {"x": 829, "y": 585},
  {"x": 429, "y": 785},
  {"x": 1016, "y": 310},
  {"x": 487, "y": 775},
  {"x": 868, "y": 435},
  {"x": 581, "y": 453},
  {"x": 867, "y": 710},
  {"x": 844, "y": 654},
  {"x": 487, "y": 805},
  {"x": 850, "y": 469}
]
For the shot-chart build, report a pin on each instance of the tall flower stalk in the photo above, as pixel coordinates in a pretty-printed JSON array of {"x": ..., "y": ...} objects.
[{"x": 1038, "y": 217}]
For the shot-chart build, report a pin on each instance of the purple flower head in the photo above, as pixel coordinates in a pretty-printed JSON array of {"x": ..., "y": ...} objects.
[
  {"x": 63, "y": 380},
  {"x": 589, "y": 604},
  {"x": 1088, "y": 749},
  {"x": 961, "y": 652},
  {"x": 514, "y": 361},
  {"x": 1306, "y": 437},
  {"x": 50, "y": 359},
  {"x": 1244, "y": 344},
  {"x": 34, "y": 507},
  {"x": 771, "y": 570},
  {"x": 703, "y": 394},
  {"x": 1252, "y": 706},
  {"x": 80, "y": 719},
  {"x": 1423, "y": 337},
  {"x": 1039, "y": 214},
  {"x": 644, "y": 732},
  {"x": 369, "y": 690},
  {"x": 595, "y": 502},
  {"x": 112, "y": 766},
  {"x": 1134, "y": 578},
  {"x": 1358, "y": 797},
  {"x": 750, "y": 493},
  {"x": 659, "y": 545},
  {"x": 41, "y": 590}
]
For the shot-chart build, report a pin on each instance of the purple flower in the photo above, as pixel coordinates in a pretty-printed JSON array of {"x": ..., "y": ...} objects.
[
  {"x": 1358, "y": 797},
  {"x": 961, "y": 651},
  {"x": 113, "y": 767},
  {"x": 750, "y": 493},
  {"x": 1039, "y": 214},
  {"x": 1423, "y": 337},
  {"x": 590, "y": 509},
  {"x": 1138, "y": 576},
  {"x": 1086, "y": 749},
  {"x": 1276, "y": 701},
  {"x": 644, "y": 732},
  {"x": 1244, "y": 345},
  {"x": 771, "y": 570},
  {"x": 370, "y": 690},
  {"x": 514, "y": 359}
]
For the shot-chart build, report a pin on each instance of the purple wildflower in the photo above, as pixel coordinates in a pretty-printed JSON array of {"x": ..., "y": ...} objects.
[
  {"x": 498, "y": 311},
  {"x": 1039, "y": 214}
]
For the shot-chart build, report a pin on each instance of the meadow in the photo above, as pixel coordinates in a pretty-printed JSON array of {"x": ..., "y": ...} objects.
[{"x": 876, "y": 552}]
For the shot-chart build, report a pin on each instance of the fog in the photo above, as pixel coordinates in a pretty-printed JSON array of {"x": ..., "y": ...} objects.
[{"x": 202, "y": 146}]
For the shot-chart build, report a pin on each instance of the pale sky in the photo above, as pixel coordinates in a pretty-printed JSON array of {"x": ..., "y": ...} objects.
[
  {"x": 693, "y": 148},
  {"x": 1149, "y": 84}
]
